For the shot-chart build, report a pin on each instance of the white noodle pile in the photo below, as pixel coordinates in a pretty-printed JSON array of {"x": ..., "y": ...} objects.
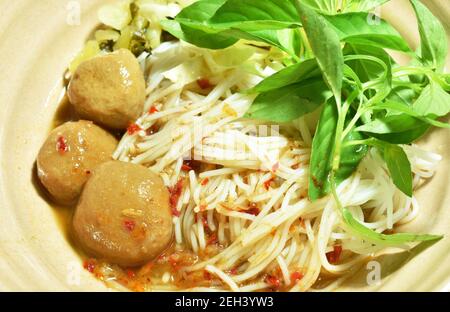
[{"x": 267, "y": 168}]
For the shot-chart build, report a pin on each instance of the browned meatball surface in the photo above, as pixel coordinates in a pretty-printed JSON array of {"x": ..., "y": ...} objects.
[
  {"x": 123, "y": 215},
  {"x": 69, "y": 155},
  {"x": 109, "y": 89}
]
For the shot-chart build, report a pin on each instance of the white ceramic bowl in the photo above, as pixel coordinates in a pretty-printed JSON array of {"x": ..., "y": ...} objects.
[{"x": 37, "y": 41}]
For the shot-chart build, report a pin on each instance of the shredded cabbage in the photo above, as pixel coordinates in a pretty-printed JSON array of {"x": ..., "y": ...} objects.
[
  {"x": 90, "y": 50},
  {"x": 116, "y": 16},
  {"x": 133, "y": 25}
]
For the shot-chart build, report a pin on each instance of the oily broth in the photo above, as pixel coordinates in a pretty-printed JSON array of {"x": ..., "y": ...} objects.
[{"x": 64, "y": 113}]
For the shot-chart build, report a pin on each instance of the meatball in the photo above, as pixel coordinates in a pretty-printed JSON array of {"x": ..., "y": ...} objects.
[
  {"x": 109, "y": 89},
  {"x": 124, "y": 215},
  {"x": 69, "y": 155}
]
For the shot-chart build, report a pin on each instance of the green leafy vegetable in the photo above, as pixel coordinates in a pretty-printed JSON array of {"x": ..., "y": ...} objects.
[
  {"x": 369, "y": 235},
  {"x": 252, "y": 15},
  {"x": 365, "y": 69},
  {"x": 433, "y": 47},
  {"x": 290, "y": 75},
  {"x": 399, "y": 167},
  {"x": 326, "y": 46},
  {"x": 290, "y": 40},
  {"x": 199, "y": 11},
  {"x": 332, "y": 7},
  {"x": 322, "y": 153},
  {"x": 290, "y": 102},
  {"x": 395, "y": 129},
  {"x": 197, "y": 37},
  {"x": 433, "y": 101},
  {"x": 402, "y": 94},
  {"x": 364, "y": 5},
  {"x": 285, "y": 39},
  {"x": 354, "y": 28},
  {"x": 393, "y": 108}
]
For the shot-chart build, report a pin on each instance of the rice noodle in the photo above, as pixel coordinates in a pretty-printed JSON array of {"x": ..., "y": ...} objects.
[{"x": 245, "y": 164}]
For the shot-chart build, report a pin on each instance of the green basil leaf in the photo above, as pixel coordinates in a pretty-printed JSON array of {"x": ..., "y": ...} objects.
[
  {"x": 399, "y": 167},
  {"x": 322, "y": 151},
  {"x": 326, "y": 47},
  {"x": 396, "y": 129},
  {"x": 396, "y": 239},
  {"x": 290, "y": 39},
  {"x": 198, "y": 37},
  {"x": 394, "y": 108},
  {"x": 292, "y": 74},
  {"x": 325, "y": 6},
  {"x": 355, "y": 28},
  {"x": 276, "y": 38},
  {"x": 289, "y": 102},
  {"x": 367, "y": 70},
  {"x": 252, "y": 15},
  {"x": 351, "y": 156},
  {"x": 364, "y": 5},
  {"x": 433, "y": 39},
  {"x": 199, "y": 11},
  {"x": 433, "y": 101},
  {"x": 402, "y": 94}
]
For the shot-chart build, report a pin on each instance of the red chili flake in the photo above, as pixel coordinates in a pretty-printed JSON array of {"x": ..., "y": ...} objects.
[
  {"x": 175, "y": 193},
  {"x": 233, "y": 271},
  {"x": 201, "y": 218},
  {"x": 302, "y": 223},
  {"x": 185, "y": 167},
  {"x": 203, "y": 207},
  {"x": 207, "y": 275},
  {"x": 131, "y": 274},
  {"x": 133, "y": 128},
  {"x": 253, "y": 211},
  {"x": 212, "y": 239},
  {"x": 61, "y": 145},
  {"x": 89, "y": 265},
  {"x": 295, "y": 167},
  {"x": 273, "y": 281},
  {"x": 275, "y": 167},
  {"x": 88, "y": 172},
  {"x": 205, "y": 222},
  {"x": 153, "y": 110},
  {"x": 333, "y": 256},
  {"x": 129, "y": 225},
  {"x": 175, "y": 212},
  {"x": 268, "y": 182},
  {"x": 296, "y": 276},
  {"x": 174, "y": 260},
  {"x": 205, "y": 181},
  {"x": 204, "y": 83}
]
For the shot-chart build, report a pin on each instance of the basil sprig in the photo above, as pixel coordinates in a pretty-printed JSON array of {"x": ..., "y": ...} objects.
[{"x": 338, "y": 62}]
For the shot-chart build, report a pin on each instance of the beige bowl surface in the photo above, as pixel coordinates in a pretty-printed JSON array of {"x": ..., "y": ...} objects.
[{"x": 37, "y": 41}]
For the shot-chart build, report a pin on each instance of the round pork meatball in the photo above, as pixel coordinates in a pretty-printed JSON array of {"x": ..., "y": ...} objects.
[
  {"x": 69, "y": 155},
  {"x": 109, "y": 89},
  {"x": 124, "y": 215}
]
